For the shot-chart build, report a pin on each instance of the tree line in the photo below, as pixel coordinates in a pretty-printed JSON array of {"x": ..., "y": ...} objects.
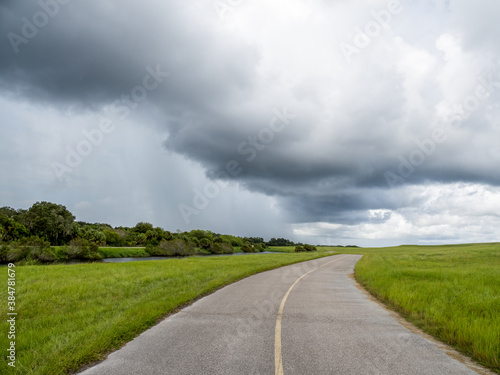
[{"x": 48, "y": 232}]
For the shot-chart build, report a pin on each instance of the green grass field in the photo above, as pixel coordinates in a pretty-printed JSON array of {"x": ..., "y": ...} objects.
[
  {"x": 71, "y": 315},
  {"x": 451, "y": 292}
]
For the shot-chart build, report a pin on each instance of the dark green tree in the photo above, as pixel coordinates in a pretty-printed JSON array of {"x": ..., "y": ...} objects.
[
  {"x": 142, "y": 227},
  {"x": 200, "y": 234},
  {"x": 49, "y": 221},
  {"x": 253, "y": 240},
  {"x": 93, "y": 235},
  {"x": 8, "y": 211},
  {"x": 280, "y": 242},
  {"x": 113, "y": 238},
  {"x": 248, "y": 248},
  {"x": 205, "y": 243},
  {"x": 11, "y": 230},
  {"x": 310, "y": 248}
]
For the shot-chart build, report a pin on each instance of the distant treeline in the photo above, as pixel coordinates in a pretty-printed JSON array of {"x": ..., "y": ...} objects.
[{"x": 33, "y": 233}]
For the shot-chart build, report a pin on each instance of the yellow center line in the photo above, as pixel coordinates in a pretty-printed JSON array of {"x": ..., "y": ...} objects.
[{"x": 278, "y": 358}]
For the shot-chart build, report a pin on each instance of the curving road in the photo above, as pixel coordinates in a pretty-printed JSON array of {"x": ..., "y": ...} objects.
[{"x": 308, "y": 318}]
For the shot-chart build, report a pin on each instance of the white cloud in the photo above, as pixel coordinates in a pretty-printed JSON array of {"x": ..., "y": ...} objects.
[{"x": 441, "y": 213}]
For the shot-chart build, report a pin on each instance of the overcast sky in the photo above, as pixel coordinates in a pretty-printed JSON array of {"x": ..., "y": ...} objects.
[{"x": 336, "y": 122}]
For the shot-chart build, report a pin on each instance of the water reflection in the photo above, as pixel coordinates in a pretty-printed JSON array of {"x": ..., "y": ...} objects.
[{"x": 125, "y": 260}]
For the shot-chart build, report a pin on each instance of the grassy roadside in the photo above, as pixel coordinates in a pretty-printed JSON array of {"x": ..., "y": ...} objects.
[
  {"x": 282, "y": 249},
  {"x": 451, "y": 292},
  {"x": 71, "y": 315}
]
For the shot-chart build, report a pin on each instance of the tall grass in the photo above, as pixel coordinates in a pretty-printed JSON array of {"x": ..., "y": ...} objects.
[
  {"x": 71, "y": 315},
  {"x": 451, "y": 292}
]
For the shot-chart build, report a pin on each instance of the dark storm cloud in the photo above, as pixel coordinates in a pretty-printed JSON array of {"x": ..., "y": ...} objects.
[
  {"x": 90, "y": 53},
  {"x": 330, "y": 163}
]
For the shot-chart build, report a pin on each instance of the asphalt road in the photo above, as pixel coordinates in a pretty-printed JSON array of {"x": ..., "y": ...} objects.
[{"x": 308, "y": 318}]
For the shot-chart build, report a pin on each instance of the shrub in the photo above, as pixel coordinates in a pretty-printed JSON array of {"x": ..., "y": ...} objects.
[
  {"x": 205, "y": 243},
  {"x": 4, "y": 250},
  {"x": 17, "y": 253},
  {"x": 43, "y": 254},
  {"x": 216, "y": 248},
  {"x": 299, "y": 249},
  {"x": 259, "y": 247},
  {"x": 112, "y": 238},
  {"x": 246, "y": 248},
  {"x": 227, "y": 248},
  {"x": 61, "y": 252},
  {"x": 140, "y": 239},
  {"x": 194, "y": 240},
  {"x": 221, "y": 248},
  {"x": 238, "y": 242},
  {"x": 80, "y": 248},
  {"x": 310, "y": 248},
  {"x": 174, "y": 248},
  {"x": 30, "y": 248},
  {"x": 92, "y": 235}
]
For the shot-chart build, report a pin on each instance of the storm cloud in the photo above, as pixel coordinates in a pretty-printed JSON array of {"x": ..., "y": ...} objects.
[{"x": 341, "y": 122}]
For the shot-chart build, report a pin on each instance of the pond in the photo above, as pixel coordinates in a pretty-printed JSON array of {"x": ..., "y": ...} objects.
[{"x": 125, "y": 260}]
